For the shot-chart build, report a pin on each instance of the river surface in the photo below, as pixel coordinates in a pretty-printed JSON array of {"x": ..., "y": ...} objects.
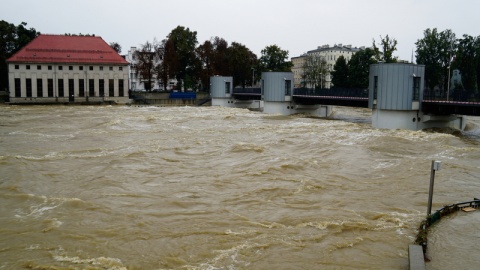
[{"x": 118, "y": 187}]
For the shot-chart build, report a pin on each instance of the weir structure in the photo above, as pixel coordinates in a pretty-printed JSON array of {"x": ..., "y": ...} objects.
[
  {"x": 395, "y": 96},
  {"x": 222, "y": 93}
]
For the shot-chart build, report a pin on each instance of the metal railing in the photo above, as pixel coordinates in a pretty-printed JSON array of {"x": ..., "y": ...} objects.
[
  {"x": 422, "y": 236},
  {"x": 338, "y": 92}
]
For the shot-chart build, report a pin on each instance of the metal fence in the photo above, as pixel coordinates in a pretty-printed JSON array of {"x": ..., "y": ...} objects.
[
  {"x": 460, "y": 95},
  {"x": 422, "y": 238},
  {"x": 342, "y": 92}
]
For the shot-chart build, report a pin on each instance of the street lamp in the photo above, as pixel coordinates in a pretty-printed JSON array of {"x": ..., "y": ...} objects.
[{"x": 253, "y": 76}]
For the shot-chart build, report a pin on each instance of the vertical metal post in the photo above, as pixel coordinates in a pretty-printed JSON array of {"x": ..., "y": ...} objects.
[{"x": 435, "y": 167}]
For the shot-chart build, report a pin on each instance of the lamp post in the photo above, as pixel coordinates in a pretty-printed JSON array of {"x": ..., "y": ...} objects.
[
  {"x": 448, "y": 82},
  {"x": 435, "y": 167},
  {"x": 253, "y": 76}
]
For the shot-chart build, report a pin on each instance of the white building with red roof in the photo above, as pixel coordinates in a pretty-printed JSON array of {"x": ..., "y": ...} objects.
[{"x": 68, "y": 69}]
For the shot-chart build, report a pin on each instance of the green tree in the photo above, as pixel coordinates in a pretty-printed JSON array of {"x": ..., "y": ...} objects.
[
  {"x": 220, "y": 57},
  {"x": 116, "y": 47},
  {"x": 145, "y": 64},
  {"x": 273, "y": 58},
  {"x": 359, "y": 68},
  {"x": 466, "y": 60},
  {"x": 12, "y": 39},
  {"x": 184, "y": 43},
  {"x": 387, "y": 48},
  {"x": 315, "y": 70},
  {"x": 435, "y": 50},
  {"x": 241, "y": 62},
  {"x": 340, "y": 73},
  {"x": 205, "y": 54}
]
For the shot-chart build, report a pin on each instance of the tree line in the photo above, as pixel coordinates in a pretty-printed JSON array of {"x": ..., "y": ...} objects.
[
  {"x": 180, "y": 56},
  {"x": 12, "y": 39},
  {"x": 440, "y": 51}
]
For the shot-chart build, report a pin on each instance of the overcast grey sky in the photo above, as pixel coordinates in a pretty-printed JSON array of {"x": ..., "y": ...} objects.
[{"x": 295, "y": 25}]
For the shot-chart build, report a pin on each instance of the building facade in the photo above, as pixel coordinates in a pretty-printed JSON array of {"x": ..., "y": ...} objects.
[
  {"x": 329, "y": 53},
  {"x": 73, "y": 69}
]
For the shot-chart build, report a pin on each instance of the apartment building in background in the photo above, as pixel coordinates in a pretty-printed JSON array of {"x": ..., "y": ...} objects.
[{"x": 327, "y": 52}]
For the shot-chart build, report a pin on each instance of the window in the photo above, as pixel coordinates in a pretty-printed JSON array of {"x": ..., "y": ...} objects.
[
  {"x": 121, "y": 91},
  {"x": 60, "y": 67},
  {"x": 70, "y": 67},
  {"x": 101, "y": 68},
  {"x": 39, "y": 88},
  {"x": 416, "y": 88},
  {"x": 91, "y": 87},
  {"x": 81, "y": 87},
  {"x": 120, "y": 68},
  {"x": 111, "y": 88},
  {"x": 101, "y": 87},
  {"x": 39, "y": 67},
  {"x": 17, "y": 67},
  {"x": 50, "y": 87},
  {"x": 288, "y": 87},
  {"x": 61, "y": 88},
  {"x": 110, "y": 68},
  {"x": 375, "y": 86},
  {"x": 49, "y": 67},
  {"x": 71, "y": 87},
  {"x": 227, "y": 87},
  {"x": 18, "y": 88},
  {"x": 80, "y": 67},
  {"x": 28, "y": 84},
  {"x": 90, "y": 67},
  {"x": 28, "y": 66}
]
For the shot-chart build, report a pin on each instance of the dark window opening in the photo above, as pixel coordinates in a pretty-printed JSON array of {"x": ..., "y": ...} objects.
[
  {"x": 39, "y": 67},
  {"x": 60, "y": 67},
  {"x": 111, "y": 89},
  {"x": 227, "y": 87},
  {"x": 28, "y": 85},
  {"x": 39, "y": 88},
  {"x": 91, "y": 87},
  {"x": 71, "y": 88},
  {"x": 81, "y": 87},
  {"x": 17, "y": 66},
  {"x": 121, "y": 91},
  {"x": 49, "y": 67},
  {"x": 101, "y": 87},
  {"x": 18, "y": 88},
  {"x": 416, "y": 88},
  {"x": 288, "y": 87},
  {"x": 70, "y": 67},
  {"x": 61, "y": 88},
  {"x": 50, "y": 87},
  {"x": 375, "y": 87}
]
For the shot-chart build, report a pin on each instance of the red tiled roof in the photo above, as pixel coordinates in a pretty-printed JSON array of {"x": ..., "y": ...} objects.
[{"x": 68, "y": 49}]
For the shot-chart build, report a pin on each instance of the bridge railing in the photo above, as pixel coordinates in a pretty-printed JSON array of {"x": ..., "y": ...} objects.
[
  {"x": 247, "y": 91},
  {"x": 459, "y": 95},
  {"x": 337, "y": 92},
  {"x": 422, "y": 238}
]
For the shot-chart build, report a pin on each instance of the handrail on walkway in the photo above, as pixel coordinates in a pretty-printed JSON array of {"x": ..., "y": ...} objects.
[{"x": 438, "y": 215}]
